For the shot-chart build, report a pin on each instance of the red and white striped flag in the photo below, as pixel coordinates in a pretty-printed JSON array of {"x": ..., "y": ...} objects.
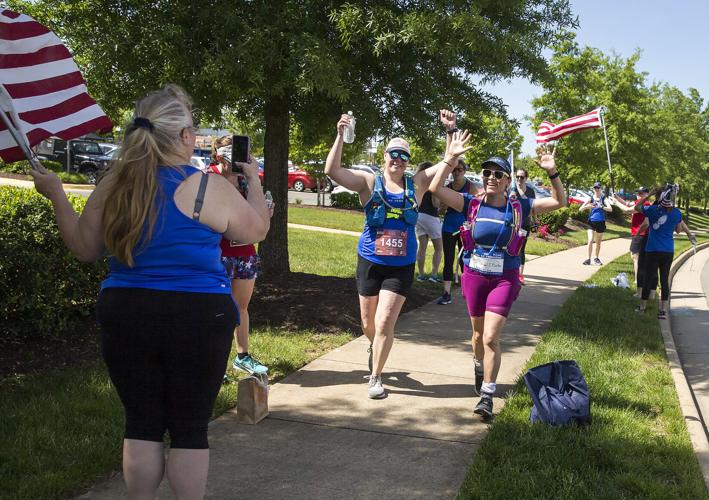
[
  {"x": 547, "y": 131},
  {"x": 41, "y": 88}
]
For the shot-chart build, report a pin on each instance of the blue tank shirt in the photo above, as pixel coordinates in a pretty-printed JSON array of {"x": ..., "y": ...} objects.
[
  {"x": 597, "y": 213},
  {"x": 183, "y": 255},
  {"x": 366, "y": 246},
  {"x": 491, "y": 222},
  {"x": 454, "y": 219},
  {"x": 662, "y": 225}
]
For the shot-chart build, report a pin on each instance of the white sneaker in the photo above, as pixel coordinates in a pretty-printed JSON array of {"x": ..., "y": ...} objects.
[{"x": 376, "y": 391}]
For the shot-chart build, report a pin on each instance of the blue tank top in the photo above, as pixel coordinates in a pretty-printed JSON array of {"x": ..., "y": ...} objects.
[
  {"x": 597, "y": 213},
  {"x": 366, "y": 246},
  {"x": 491, "y": 222},
  {"x": 454, "y": 219},
  {"x": 183, "y": 255}
]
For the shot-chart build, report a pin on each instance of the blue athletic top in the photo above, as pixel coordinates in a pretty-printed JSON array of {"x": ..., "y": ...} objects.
[
  {"x": 662, "y": 224},
  {"x": 365, "y": 248},
  {"x": 488, "y": 223},
  {"x": 183, "y": 255},
  {"x": 454, "y": 219},
  {"x": 598, "y": 214}
]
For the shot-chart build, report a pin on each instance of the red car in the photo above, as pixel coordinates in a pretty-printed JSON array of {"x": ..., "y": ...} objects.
[{"x": 298, "y": 179}]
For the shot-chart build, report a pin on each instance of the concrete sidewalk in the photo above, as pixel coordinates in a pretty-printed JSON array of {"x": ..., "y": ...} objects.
[{"x": 326, "y": 439}]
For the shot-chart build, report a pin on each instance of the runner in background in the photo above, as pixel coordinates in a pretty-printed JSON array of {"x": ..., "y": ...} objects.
[
  {"x": 428, "y": 226},
  {"x": 522, "y": 190},
  {"x": 599, "y": 205}
]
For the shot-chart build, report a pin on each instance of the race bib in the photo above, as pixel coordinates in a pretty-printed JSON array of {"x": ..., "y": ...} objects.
[
  {"x": 491, "y": 265},
  {"x": 390, "y": 242}
]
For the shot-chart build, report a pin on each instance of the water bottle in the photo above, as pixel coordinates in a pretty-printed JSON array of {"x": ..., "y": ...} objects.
[
  {"x": 349, "y": 135},
  {"x": 269, "y": 199}
]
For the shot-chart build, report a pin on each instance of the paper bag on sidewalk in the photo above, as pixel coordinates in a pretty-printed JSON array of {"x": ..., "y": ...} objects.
[{"x": 252, "y": 399}]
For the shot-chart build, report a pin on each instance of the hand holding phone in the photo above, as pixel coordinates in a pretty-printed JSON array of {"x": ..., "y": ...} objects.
[{"x": 240, "y": 149}]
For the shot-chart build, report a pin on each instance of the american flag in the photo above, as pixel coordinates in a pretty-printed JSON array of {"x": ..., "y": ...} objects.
[
  {"x": 547, "y": 131},
  {"x": 41, "y": 88}
]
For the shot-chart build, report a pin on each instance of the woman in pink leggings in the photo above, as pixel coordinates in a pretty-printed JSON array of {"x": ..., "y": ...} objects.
[{"x": 490, "y": 280}]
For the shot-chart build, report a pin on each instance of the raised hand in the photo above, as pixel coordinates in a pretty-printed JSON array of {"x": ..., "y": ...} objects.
[
  {"x": 458, "y": 144},
  {"x": 448, "y": 119},
  {"x": 546, "y": 159},
  {"x": 46, "y": 182},
  {"x": 342, "y": 124}
]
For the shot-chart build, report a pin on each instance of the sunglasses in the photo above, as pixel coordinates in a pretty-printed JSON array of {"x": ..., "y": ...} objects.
[
  {"x": 499, "y": 174},
  {"x": 521, "y": 176},
  {"x": 399, "y": 155}
]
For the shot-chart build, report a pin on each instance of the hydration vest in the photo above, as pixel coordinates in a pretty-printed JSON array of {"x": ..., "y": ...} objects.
[
  {"x": 514, "y": 244},
  {"x": 377, "y": 210}
]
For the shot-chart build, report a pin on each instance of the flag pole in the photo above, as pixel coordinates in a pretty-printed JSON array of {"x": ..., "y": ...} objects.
[
  {"x": 601, "y": 112},
  {"x": 16, "y": 134}
]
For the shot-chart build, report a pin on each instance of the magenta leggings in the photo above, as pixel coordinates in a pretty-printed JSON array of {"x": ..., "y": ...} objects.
[{"x": 490, "y": 293}]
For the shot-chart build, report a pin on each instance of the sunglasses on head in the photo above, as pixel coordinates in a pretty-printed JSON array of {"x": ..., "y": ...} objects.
[
  {"x": 499, "y": 174},
  {"x": 403, "y": 156}
]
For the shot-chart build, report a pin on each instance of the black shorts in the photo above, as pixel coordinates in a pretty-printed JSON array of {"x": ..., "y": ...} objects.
[
  {"x": 598, "y": 226},
  {"x": 371, "y": 278}
]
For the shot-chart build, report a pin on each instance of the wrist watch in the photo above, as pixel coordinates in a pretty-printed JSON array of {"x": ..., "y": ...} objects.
[{"x": 451, "y": 130}]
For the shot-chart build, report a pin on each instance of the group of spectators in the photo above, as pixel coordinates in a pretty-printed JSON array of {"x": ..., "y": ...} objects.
[{"x": 183, "y": 267}]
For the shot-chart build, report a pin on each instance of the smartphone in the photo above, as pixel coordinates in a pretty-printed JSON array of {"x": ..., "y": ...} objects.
[{"x": 240, "y": 147}]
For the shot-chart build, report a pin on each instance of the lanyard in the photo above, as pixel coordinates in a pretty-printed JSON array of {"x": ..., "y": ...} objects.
[{"x": 502, "y": 229}]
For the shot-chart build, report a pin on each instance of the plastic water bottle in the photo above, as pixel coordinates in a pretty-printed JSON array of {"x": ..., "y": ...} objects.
[
  {"x": 349, "y": 135},
  {"x": 269, "y": 199}
]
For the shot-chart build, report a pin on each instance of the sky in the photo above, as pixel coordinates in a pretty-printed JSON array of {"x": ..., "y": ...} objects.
[{"x": 673, "y": 38}]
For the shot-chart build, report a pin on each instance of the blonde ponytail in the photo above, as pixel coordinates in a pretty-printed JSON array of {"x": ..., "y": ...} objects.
[{"x": 152, "y": 138}]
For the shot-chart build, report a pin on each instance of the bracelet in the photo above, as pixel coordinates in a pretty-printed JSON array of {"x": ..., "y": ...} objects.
[
  {"x": 552, "y": 177},
  {"x": 444, "y": 161},
  {"x": 451, "y": 131}
]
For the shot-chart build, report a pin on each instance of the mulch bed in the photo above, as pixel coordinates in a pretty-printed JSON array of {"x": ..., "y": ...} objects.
[{"x": 325, "y": 304}]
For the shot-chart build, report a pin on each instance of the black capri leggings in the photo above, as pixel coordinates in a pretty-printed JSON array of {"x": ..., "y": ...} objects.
[
  {"x": 653, "y": 262},
  {"x": 450, "y": 242},
  {"x": 166, "y": 354}
]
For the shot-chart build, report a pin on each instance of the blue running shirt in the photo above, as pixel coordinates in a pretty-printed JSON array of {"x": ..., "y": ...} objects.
[
  {"x": 662, "y": 225},
  {"x": 454, "y": 219}
]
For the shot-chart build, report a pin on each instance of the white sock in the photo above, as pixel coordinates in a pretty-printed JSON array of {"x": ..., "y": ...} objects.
[{"x": 488, "y": 388}]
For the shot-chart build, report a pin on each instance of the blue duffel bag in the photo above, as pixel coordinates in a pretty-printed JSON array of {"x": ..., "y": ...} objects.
[{"x": 559, "y": 392}]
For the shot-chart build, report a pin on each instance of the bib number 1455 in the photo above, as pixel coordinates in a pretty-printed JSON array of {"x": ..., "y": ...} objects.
[{"x": 390, "y": 242}]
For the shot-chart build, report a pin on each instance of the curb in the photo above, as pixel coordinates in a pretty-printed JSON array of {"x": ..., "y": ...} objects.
[{"x": 688, "y": 404}]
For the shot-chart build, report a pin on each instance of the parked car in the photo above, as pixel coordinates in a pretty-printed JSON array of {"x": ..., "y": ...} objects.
[
  {"x": 198, "y": 162},
  {"x": 85, "y": 156},
  {"x": 477, "y": 181},
  {"x": 107, "y": 147},
  {"x": 372, "y": 169},
  {"x": 578, "y": 196}
]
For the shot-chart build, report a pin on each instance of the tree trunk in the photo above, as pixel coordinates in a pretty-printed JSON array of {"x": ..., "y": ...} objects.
[{"x": 274, "y": 249}]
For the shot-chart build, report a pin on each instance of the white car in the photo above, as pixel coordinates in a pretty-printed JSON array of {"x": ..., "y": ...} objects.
[
  {"x": 363, "y": 168},
  {"x": 198, "y": 162}
]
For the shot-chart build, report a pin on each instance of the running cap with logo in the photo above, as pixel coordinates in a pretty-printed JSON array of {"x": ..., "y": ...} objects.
[
  {"x": 398, "y": 144},
  {"x": 597, "y": 185},
  {"x": 498, "y": 161}
]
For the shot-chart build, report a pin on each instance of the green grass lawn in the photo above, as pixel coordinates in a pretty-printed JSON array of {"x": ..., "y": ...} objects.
[
  {"x": 335, "y": 219},
  {"x": 698, "y": 220},
  {"x": 637, "y": 445},
  {"x": 60, "y": 432}
]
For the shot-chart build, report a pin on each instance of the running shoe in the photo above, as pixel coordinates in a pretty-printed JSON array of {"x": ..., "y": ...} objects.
[
  {"x": 445, "y": 299},
  {"x": 434, "y": 279},
  {"x": 375, "y": 390},
  {"x": 662, "y": 315},
  {"x": 370, "y": 363},
  {"x": 597, "y": 262},
  {"x": 249, "y": 365},
  {"x": 420, "y": 277},
  {"x": 478, "y": 379},
  {"x": 484, "y": 407},
  {"x": 587, "y": 262}
]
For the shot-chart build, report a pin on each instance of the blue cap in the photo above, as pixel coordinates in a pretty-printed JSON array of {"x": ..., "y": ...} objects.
[{"x": 498, "y": 161}]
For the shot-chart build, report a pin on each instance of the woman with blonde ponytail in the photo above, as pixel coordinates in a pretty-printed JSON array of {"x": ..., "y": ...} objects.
[{"x": 165, "y": 309}]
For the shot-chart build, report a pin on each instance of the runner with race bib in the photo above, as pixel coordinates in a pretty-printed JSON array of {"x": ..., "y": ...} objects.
[
  {"x": 492, "y": 236},
  {"x": 387, "y": 248}
]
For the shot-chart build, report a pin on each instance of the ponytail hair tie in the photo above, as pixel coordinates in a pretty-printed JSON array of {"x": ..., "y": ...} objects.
[{"x": 140, "y": 122}]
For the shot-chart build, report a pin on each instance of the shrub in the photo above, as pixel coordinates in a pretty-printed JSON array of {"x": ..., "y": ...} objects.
[
  {"x": 617, "y": 215},
  {"x": 43, "y": 288},
  {"x": 345, "y": 200},
  {"x": 23, "y": 166},
  {"x": 575, "y": 213},
  {"x": 554, "y": 220}
]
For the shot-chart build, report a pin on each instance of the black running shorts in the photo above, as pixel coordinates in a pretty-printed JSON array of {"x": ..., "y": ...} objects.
[
  {"x": 371, "y": 278},
  {"x": 598, "y": 226}
]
